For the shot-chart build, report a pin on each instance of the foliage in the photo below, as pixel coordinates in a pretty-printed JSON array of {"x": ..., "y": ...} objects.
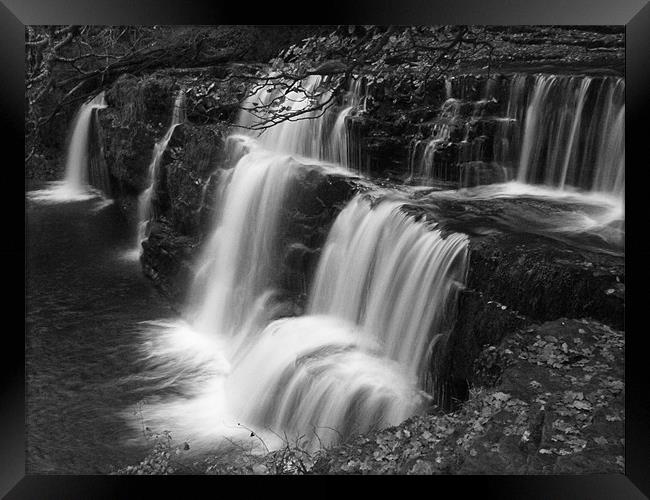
[
  {"x": 163, "y": 456},
  {"x": 294, "y": 457}
]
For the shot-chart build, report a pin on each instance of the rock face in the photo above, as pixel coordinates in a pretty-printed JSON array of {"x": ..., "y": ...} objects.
[
  {"x": 514, "y": 280},
  {"x": 167, "y": 259},
  {"x": 138, "y": 113}
]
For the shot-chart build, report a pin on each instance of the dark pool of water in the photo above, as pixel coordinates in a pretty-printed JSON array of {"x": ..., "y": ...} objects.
[{"x": 84, "y": 302}]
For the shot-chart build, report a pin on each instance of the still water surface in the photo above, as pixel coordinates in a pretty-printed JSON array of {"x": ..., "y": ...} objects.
[{"x": 85, "y": 302}]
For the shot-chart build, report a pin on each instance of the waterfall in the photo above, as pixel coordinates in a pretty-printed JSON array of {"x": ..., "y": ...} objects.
[
  {"x": 384, "y": 294},
  {"x": 317, "y": 134},
  {"x": 86, "y": 173},
  {"x": 425, "y": 165},
  {"x": 236, "y": 270},
  {"x": 342, "y": 144},
  {"x": 507, "y": 138},
  {"x": 562, "y": 131},
  {"x": 321, "y": 378},
  {"x": 391, "y": 275},
  {"x": 76, "y": 165},
  {"x": 383, "y": 297},
  {"x": 145, "y": 200},
  {"x": 573, "y": 134}
]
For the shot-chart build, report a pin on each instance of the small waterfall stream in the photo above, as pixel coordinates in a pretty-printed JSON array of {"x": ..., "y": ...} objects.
[
  {"x": 76, "y": 165},
  {"x": 395, "y": 277},
  {"x": 238, "y": 262},
  {"x": 318, "y": 134},
  {"x": 79, "y": 182},
  {"x": 145, "y": 205}
]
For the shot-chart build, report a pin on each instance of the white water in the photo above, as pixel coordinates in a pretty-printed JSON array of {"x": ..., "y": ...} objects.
[
  {"x": 145, "y": 205},
  {"x": 236, "y": 269},
  {"x": 391, "y": 275},
  {"x": 321, "y": 377},
  {"x": 318, "y": 134},
  {"x": 422, "y": 164},
  {"x": 560, "y": 131},
  {"x": 74, "y": 186},
  {"x": 565, "y": 143},
  {"x": 384, "y": 293},
  {"x": 76, "y": 166}
]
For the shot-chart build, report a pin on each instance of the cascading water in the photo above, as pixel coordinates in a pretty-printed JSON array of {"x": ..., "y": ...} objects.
[
  {"x": 76, "y": 184},
  {"x": 145, "y": 198},
  {"x": 76, "y": 165},
  {"x": 343, "y": 149},
  {"x": 561, "y": 131},
  {"x": 230, "y": 299},
  {"x": 384, "y": 293},
  {"x": 573, "y": 134},
  {"x": 391, "y": 275},
  {"x": 236, "y": 270},
  {"x": 237, "y": 266},
  {"x": 424, "y": 163},
  {"x": 320, "y": 377},
  {"x": 508, "y": 134},
  {"x": 356, "y": 359},
  {"x": 316, "y": 133}
]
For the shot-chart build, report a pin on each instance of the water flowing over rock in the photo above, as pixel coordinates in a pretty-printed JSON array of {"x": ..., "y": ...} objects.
[
  {"x": 375, "y": 343},
  {"x": 318, "y": 133},
  {"x": 76, "y": 166},
  {"x": 573, "y": 134},
  {"x": 323, "y": 378},
  {"x": 239, "y": 261},
  {"x": 384, "y": 294},
  {"x": 378, "y": 335},
  {"x": 86, "y": 172},
  {"x": 342, "y": 270},
  {"x": 562, "y": 131},
  {"x": 145, "y": 205},
  {"x": 395, "y": 277}
]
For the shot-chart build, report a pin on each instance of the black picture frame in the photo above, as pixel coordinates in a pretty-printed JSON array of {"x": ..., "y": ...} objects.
[{"x": 15, "y": 14}]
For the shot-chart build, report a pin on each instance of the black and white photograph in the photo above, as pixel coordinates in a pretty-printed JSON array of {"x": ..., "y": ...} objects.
[{"x": 325, "y": 249}]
